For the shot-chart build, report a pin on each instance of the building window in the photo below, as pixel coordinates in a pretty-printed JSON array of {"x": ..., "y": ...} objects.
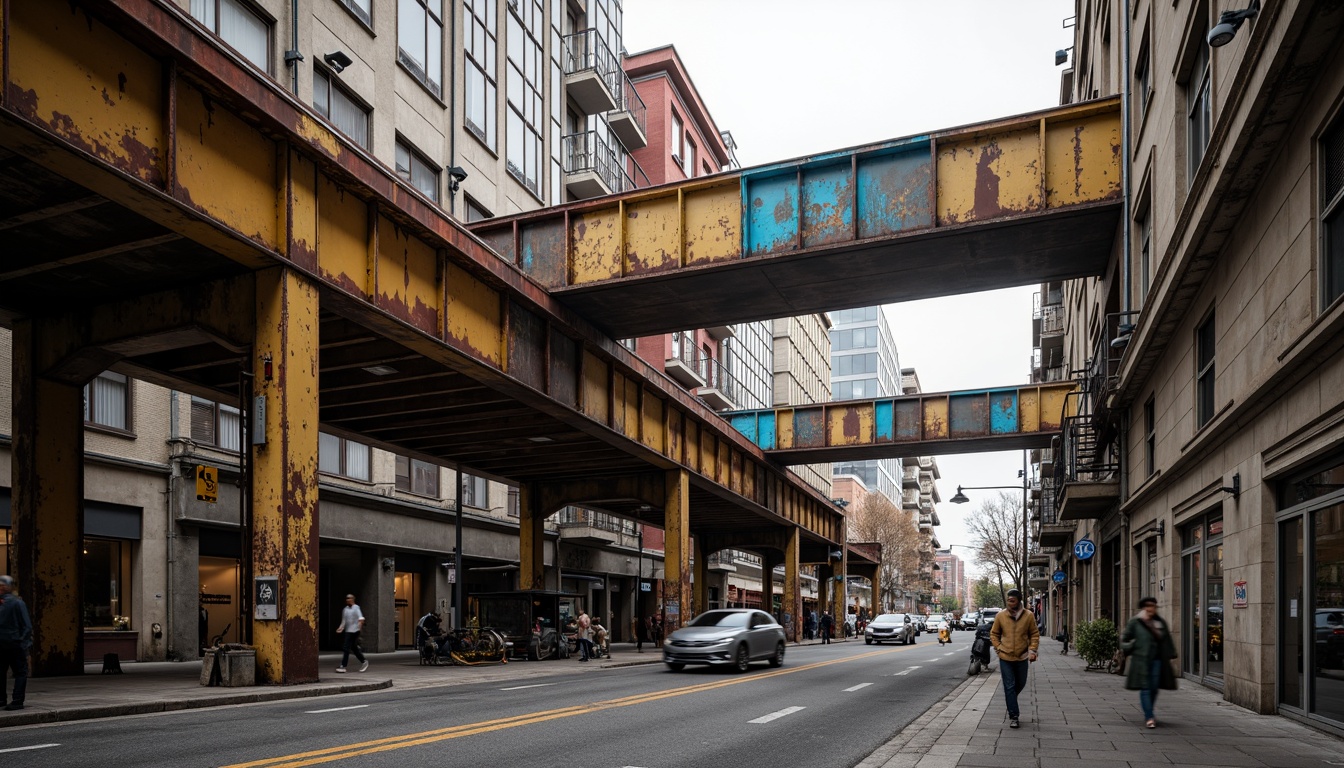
[
  {"x": 677, "y": 138},
  {"x": 107, "y": 589},
  {"x": 689, "y": 158},
  {"x": 475, "y": 492},
  {"x": 476, "y": 212},
  {"x": 415, "y": 170},
  {"x": 418, "y": 477},
  {"x": 1332, "y": 213},
  {"x": 513, "y": 505},
  {"x": 333, "y": 102},
  {"x": 347, "y": 458},
  {"x": 107, "y": 401},
  {"x": 1198, "y": 108},
  {"x": 238, "y": 25},
  {"x": 216, "y": 424},
  {"x": 480, "y": 30},
  {"x": 1150, "y": 436},
  {"x": 523, "y": 90},
  {"x": 1204, "y": 370},
  {"x": 362, "y": 10},
  {"x": 1202, "y": 598},
  {"x": 420, "y": 41},
  {"x": 1142, "y": 82},
  {"x": 1145, "y": 227}
]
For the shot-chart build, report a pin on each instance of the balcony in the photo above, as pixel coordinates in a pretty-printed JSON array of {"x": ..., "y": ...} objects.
[
  {"x": 721, "y": 562},
  {"x": 1087, "y": 473},
  {"x": 909, "y": 476},
  {"x": 592, "y": 72},
  {"x": 584, "y": 526},
  {"x": 721, "y": 332},
  {"x": 1053, "y": 533},
  {"x": 720, "y": 390},
  {"x": 1052, "y": 320},
  {"x": 1037, "y": 578},
  {"x": 594, "y": 169},
  {"x": 685, "y": 365},
  {"x": 629, "y": 119}
]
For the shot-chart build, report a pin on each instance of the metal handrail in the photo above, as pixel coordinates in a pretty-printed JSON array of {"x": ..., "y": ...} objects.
[
  {"x": 687, "y": 352},
  {"x": 585, "y": 50},
  {"x": 587, "y": 151},
  {"x": 628, "y": 100},
  {"x": 717, "y": 377},
  {"x": 578, "y": 517}
]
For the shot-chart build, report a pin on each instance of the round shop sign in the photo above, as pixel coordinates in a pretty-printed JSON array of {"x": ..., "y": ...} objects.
[
  {"x": 1084, "y": 550},
  {"x": 1059, "y": 577}
]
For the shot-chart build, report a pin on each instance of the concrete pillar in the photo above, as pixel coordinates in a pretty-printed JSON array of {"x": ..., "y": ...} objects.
[
  {"x": 48, "y": 504},
  {"x": 284, "y": 474},
  {"x": 184, "y": 634},
  {"x": 701, "y": 580},
  {"x": 531, "y": 540},
  {"x": 768, "y": 584},
  {"x": 793, "y": 586},
  {"x": 677, "y": 549},
  {"x": 377, "y": 599}
]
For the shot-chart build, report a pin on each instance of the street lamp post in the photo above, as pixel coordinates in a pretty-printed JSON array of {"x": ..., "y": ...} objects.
[{"x": 960, "y": 498}]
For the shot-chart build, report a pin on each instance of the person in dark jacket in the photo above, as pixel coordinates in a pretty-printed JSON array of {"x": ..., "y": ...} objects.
[
  {"x": 1149, "y": 649},
  {"x": 826, "y": 624},
  {"x": 16, "y": 637}
]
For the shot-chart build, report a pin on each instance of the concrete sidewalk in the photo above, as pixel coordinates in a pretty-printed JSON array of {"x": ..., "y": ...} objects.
[{"x": 1073, "y": 718}]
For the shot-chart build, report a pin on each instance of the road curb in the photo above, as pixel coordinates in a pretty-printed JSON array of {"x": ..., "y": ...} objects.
[
  {"x": 926, "y": 730},
  {"x": 264, "y": 693}
]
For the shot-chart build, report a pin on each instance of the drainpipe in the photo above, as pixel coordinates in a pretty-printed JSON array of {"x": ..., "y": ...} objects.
[
  {"x": 452, "y": 105},
  {"x": 173, "y": 469},
  {"x": 292, "y": 56},
  {"x": 1126, "y": 110}
]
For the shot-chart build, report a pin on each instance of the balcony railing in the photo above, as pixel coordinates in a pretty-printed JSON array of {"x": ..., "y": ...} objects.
[
  {"x": 592, "y": 72},
  {"x": 577, "y": 517},
  {"x": 593, "y": 168},
  {"x": 721, "y": 389},
  {"x": 686, "y": 364},
  {"x": 629, "y": 120},
  {"x": 1052, "y": 319}
]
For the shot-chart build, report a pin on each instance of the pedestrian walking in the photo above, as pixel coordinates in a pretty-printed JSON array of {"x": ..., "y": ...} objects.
[
  {"x": 638, "y": 629},
  {"x": 827, "y": 623},
  {"x": 1149, "y": 650},
  {"x": 657, "y": 630},
  {"x": 16, "y": 637},
  {"x": 352, "y": 622},
  {"x": 1015, "y": 637},
  {"x": 585, "y": 636}
]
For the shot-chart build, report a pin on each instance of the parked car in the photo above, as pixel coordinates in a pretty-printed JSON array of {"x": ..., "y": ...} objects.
[
  {"x": 736, "y": 636},
  {"x": 970, "y": 620},
  {"x": 890, "y": 626},
  {"x": 934, "y": 621},
  {"x": 988, "y": 614}
]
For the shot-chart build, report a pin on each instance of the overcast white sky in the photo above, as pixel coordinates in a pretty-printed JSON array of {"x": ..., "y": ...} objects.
[{"x": 791, "y": 78}]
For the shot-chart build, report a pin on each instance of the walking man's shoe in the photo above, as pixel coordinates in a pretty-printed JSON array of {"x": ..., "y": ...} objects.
[
  {"x": 365, "y": 667},
  {"x": 1013, "y": 723},
  {"x": 340, "y": 670}
]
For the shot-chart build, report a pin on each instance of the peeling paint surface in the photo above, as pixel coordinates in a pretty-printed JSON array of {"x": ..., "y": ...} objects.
[
  {"x": 474, "y": 316},
  {"x": 343, "y": 237}
]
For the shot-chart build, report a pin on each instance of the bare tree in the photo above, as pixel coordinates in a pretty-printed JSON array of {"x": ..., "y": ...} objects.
[
  {"x": 996, "y": 530},
  {"x": 876, "y": 518}
]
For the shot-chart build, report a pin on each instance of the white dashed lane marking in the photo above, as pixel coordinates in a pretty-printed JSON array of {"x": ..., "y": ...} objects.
[
  {"x": 334, "y": 709},
  {"x": 777, "y": 715},
  {"x": 906, "y": 671},
  {"x": 521, "y": 687},
  {"x": 34, "y": 746},
  {"x": 854, "y": 688}
]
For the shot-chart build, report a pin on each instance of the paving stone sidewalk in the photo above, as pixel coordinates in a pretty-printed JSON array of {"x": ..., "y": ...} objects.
[{"x": 1073, "y": 718}]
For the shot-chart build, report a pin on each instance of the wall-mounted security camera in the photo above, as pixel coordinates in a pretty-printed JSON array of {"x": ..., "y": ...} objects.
[
  {"x": 456, "y": 175},
  {"x": 1228, "y": 24},
  {"x": 338, "y": 61}
]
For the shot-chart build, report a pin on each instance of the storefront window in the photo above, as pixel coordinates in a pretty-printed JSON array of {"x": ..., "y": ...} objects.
[
  {"x": 1202, "y": 598},
  {"x": 1290, "y": 612},
  {"x": 106, "y": 589},
  {"x": 1327, "y": 611}
]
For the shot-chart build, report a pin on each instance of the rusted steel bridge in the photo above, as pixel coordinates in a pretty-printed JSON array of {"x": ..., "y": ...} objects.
[{"x": 176, "y": 215}]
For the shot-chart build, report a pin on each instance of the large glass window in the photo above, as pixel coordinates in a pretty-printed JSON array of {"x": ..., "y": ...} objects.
[
  {"x": 420, "y": 41},
  {"x": 1332, "y": 213},
  {"x": 1198, "y": 108},
  {"x": 107, "y": 401},
  {"x": 1204, "y": 372},
  {"x": 1202, "y": 598},
  {"x": 480, "y": 22},
  {"x": 1150, "y": 436},
  {"x": 216, "y": 424},
  {"x": 526, "y": 22},
  {"x": 418, "y": 477},
  {"x": 362, "y": 9},
  {"x": 239, "y": 26},
  {"x": 677, "y": 138},
  {"x": 415, "y": 170},
  {"x": 106, "y": 593},
  {"x": 347, "y": 458},
  {"x": 475, "y": 492},
  {"x": 333, "y": 102}
]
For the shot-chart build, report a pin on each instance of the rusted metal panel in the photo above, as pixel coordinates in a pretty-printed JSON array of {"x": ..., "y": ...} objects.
[
  {"x": 564, "y": 360},
  {"x": 989, "y": 176},
  {"x": 302, "y": 213},
  {"x": 677, "y": 549},
  {"x": 343, "y": 238},
  {"x": 784, "y": 437},
  {"x": 1082, "y": 159},
  {"x": 884, "y": 421},
  {"x": 619, "y": 407},
  {"x": 596, "y": 238},
  {"x": 87, "y": 84},
  {"x": 527, "y": 347},
  {"x": 1056, "y": 405},
  {"x": 850, "y": 424},
  {"x": 968, "y": 414},
  {"x": 407, "y": 277},
  {"x": 501, "y": 241},
  {"x": 543, "y": 251},
  {"x": 809, "y": 427},
  {"x": 1029, "y": 409},
  {"x": 630, "y": 402},
  {"x": 474, "y": 316},
  {"x": 1003, "y": 412},
  {"x": 893, "y": 190},
  {"x": 596, "y": 387},
  {"x": 827, "y": 209},
  {"x": 770, "y": 204},
  {"x": 652, "y": 235},
  {"x": 713, "y": 223},
  {"x": 936, "y": 417},
  {"x": 735, "y": 464},
  {"x": 676, "y": 435},
  {"x": 909, "y": 420},
  {"x": 652, "y": 433},
  {"x": 692, "y": 438}
]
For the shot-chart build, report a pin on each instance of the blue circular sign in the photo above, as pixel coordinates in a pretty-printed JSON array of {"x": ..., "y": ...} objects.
[
  {"x": 1059, "y": 577},
  {"x": 1084, "y": 550}
]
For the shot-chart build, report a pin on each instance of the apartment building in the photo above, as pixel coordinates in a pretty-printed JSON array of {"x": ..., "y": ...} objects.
[
  {"x": 952, "y": 577},
  {"x": 1204, "y": 464}
]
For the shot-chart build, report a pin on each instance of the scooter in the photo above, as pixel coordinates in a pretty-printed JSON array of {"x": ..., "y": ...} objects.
[
  {"x": 944, "y": 633},
  {"x": 980, "y": 649}
]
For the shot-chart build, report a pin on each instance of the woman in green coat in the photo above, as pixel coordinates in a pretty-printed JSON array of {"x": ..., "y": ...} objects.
[{"x": 1149, "y": 649}]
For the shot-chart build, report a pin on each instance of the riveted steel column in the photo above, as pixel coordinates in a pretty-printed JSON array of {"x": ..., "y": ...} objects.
[
  {"x": 701, "y": 579},
  {"x": 48, "y": 512},
  {"x": 284, "y": 474},
  {"x": 677, "y": 550},
  {"x": 768, "y": 583},
  {"x": 792, "y": 608},
  {"x": 838, "y": 587},
  {"x": 531, "y": 539}
]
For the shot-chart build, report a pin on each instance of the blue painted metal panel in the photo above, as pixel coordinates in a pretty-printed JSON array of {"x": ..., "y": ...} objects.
[
  {"x": 884, "y": 417},
  {"x": 765, "y": 430},
  {"x": 1003, "y": 412},
  {"x": 895, "y": 191},
  {"x": 828, "y": 204},
  {"x": 770, "y": 206},
  {"x": 746, "y": 424}
]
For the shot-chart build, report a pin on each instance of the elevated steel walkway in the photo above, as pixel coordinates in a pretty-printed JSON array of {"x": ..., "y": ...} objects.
[{"x": 992, "y": 205}]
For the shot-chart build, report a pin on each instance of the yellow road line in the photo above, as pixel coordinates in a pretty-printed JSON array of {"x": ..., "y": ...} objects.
[{"x": 331, "y": 754}]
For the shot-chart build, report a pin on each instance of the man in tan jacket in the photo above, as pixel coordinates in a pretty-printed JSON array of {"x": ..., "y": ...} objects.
[{"x": 1016, "y": 638}]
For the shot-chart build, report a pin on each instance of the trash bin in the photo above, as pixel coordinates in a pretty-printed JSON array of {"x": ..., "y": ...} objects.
[{"x": 232, "y": 664}]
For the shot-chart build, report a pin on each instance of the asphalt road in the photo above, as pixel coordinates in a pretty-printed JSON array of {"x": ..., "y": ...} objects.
[{"x": 827, "y": 706}]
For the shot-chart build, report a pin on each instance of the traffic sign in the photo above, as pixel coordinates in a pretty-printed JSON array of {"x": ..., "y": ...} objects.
[
  {"x": 1059, "y": 577},
  {"x": 207, "y": 484},
  {"x": 1084, "y": 550}
]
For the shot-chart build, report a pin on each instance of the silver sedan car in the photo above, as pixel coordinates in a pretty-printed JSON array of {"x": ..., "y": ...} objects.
[
  {"x": 736, "y": 636},
  {"x": 890, "y": 626}
]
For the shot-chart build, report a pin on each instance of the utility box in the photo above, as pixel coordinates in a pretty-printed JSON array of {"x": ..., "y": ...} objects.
[{"x": 233, "y": 665}]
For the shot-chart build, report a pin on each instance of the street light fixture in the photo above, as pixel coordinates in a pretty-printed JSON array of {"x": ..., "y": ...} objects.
[{"x": 961, "y": 498}]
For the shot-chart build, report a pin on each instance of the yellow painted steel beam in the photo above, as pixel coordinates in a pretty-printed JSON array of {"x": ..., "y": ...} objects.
[
  {"x": 226, "y": 158},
  {"x": 284, "y": 475},
  {"x": 793, "y": 589},
  {"x": 1004, "y": 418},
  {"x": 531, "y": 538},
  {"x": 677, "y": 550}
]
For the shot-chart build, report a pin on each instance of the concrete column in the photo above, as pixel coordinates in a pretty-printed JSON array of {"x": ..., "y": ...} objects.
[
  {"x": 677, "y": 549},
  {"x": 767, "y": 584},
  {"x": 48, "y": 504},
  {"x": 793, "y": 586},
  {"x": 184, "y": 635},
  {"x": 701, "y": 580},
  {"x": 284, "y": 474},
  {"x": 531, "y": 540},
  {"x": 377, "y": 599}
]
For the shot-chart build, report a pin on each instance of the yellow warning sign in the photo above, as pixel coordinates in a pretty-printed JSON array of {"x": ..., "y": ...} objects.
[{"x": 207, "y": 484}]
